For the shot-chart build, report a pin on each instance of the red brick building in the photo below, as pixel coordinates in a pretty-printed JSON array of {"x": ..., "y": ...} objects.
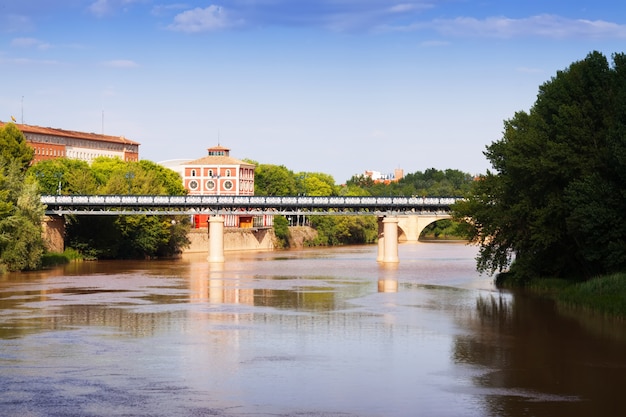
[
  {"x": 51, "y": 143},
  {"x": 220, "y": 174}
]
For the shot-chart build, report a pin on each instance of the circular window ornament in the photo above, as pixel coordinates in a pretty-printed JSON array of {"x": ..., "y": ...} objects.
[
  {"x": 210, "y": 185},
  {"x": 228, "y": 185},
  {"x": 193, "y": 184}
]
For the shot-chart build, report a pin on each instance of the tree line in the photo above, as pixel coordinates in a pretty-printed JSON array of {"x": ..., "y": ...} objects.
[
  {"x": 343, "y": 230},
  {"x": 553, "y": 204},
  {"x": 119, "y": 237}
]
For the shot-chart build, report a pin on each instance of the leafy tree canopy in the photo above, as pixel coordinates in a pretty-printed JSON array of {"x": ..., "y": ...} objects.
[
  {"x": 271, "y": 180},
  {"x": 555, "y": 201},
  {"x": 21, "y": 212},
  {"x": 118, "y": 236}
]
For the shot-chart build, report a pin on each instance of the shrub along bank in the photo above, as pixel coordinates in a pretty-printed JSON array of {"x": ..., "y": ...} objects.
[{"x": 603, "y": 295}]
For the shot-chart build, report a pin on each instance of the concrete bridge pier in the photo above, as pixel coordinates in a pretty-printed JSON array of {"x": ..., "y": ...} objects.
[
  {"x": 412, "y": 228},
  {"x": 381, "y": 241},
  {"x": 388, "y": 248},
  {"x": 54, "y": 233},
  {"x": 216, "y": 239}
]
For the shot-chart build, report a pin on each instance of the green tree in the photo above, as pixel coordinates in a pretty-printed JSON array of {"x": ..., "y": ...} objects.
[
  {"x": 21, "y": 215},
  {"x": 555, "y": 200},
  {"x": 118, "y": 236},
  {"x": 274, "y": 180},
  {"x": 13, "y": 146},
  {"x": 315, "y": 184},
  {"x": 64, "y": 176},
  {"x": 21, "y": 212}
]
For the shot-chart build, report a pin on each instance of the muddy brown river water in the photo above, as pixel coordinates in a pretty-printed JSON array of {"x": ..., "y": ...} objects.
[{"x": 320, "y": 332}]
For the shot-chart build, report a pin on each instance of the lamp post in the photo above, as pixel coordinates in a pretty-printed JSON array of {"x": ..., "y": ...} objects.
[
  {"x": 129, "y": 177},
  {"x": 59, "y": 175}
]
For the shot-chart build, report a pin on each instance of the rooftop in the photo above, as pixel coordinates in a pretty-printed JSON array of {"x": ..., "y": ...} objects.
[{"x": 50, "y": 131}]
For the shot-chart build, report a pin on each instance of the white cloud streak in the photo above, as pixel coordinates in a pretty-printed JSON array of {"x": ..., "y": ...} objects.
[
  {"x": 211, "y": 18},
  {"x": 29, "y": 43},
  {"x": 543, "y": 26},
  {"x": 121, "y": 63}
]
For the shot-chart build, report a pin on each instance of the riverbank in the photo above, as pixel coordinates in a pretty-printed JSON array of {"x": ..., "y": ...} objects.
[{"x": 603, "y": 296}]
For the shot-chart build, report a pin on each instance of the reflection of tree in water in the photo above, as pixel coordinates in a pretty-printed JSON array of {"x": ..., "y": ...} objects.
[{"x": 538, "y": 362}]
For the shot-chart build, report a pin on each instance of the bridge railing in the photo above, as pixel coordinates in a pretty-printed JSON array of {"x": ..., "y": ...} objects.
[{"x": 63, "y": 204}]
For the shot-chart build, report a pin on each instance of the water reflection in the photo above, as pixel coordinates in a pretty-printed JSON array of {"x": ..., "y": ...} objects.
[
  {"x": 388, "y": 278},
  {"x": 534, "y": 361},
  {"x": 331, "y": 331}
]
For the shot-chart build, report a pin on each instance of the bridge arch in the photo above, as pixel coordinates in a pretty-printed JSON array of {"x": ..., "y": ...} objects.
[{"x": 410, "y": 227}]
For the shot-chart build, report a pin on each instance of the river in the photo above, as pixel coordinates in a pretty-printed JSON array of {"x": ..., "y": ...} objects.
[{"x": 314, "y": 332}]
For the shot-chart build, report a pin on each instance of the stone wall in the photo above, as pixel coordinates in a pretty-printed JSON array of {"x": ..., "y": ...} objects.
[
  {"x": 234, "y": 239},
  {"x": 54, "y": 233}
]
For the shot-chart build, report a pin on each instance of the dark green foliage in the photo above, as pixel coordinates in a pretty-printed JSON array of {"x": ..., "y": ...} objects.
[
  {"x": 271, "y": 180},
  {"x": 344, "y": 230},
  {"x": 446, "y": 229},
  {"x": 556, "y": 199},
  {"x": 604, "y": 295},
  {"x": 21, "y": 212},
  {"x": 430, "y": 183},
  {"x": 113, "y": 237},
  {"x": 281, "y": 231},
  {"x": 13, "y": 146}
]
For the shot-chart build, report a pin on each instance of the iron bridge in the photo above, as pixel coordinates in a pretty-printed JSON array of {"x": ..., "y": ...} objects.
[{"x": 221, "y": 204}]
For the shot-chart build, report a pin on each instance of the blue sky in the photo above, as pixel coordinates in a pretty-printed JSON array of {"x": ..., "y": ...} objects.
[{"x": 333, "y": 86}]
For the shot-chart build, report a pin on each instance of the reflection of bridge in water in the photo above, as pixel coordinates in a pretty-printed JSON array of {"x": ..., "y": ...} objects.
[{"x": 404, "y": 217}]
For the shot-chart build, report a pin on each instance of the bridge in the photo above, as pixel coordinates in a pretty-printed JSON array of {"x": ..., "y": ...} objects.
[{"x": 409, "y": 215}]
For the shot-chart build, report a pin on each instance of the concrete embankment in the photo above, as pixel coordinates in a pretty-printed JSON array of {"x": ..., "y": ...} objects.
[
  {"x": 249, "y": 239},
  {"x": 234, "y": 239}
]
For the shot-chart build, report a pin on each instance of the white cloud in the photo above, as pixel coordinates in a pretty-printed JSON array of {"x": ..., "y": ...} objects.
[
  {"x": 29, "y": 43},
  {"x": 164, "y": 9},
  {"x": 102, "y": 8},
  {"x": 209, "y": 19},
  {"x": 121, "y": 63},
  {"x": 409, "y": 7},
  {"x": 11, "y": 23},
  {"x": 547, "y": 26}
]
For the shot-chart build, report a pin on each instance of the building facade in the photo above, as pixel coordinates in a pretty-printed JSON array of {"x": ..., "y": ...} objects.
[
  {"x": 52, "y": 143},
  {"x": 220, "y": 174}
]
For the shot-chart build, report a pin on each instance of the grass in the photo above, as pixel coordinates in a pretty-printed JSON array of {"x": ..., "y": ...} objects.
[
  {"x": 50, "y": 259},
  {"x": 604, "y": 295}
]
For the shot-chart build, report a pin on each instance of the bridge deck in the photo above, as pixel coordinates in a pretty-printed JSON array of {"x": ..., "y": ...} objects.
[{"x": 212, "y": 204}]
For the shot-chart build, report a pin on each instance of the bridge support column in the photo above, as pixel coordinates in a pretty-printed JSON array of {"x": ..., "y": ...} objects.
[
  {"x": 54, "y": 233},
  {"x": 390, "y": 225},
  {"x": 216, "y": 239},
  {"x": 381, "y": 241},
  {"x": 412, "y": 228},
  {"x": 388, "y": 249}
]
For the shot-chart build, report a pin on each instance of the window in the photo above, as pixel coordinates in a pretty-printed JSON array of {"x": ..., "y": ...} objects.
[
  {"x": 193, "y": 184},
  {"x": 228, "y": 185},
  {"x": 210, "y": 173},
  {"x": 228, "y": 172},
  {"x": 193, "y": 172},
  {"x": 210, "y": 185}
]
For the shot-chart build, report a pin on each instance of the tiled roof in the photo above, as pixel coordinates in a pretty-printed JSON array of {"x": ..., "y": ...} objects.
[
  {"x": 217, "y": 160},
  {"x": 71, "y": 134}
]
